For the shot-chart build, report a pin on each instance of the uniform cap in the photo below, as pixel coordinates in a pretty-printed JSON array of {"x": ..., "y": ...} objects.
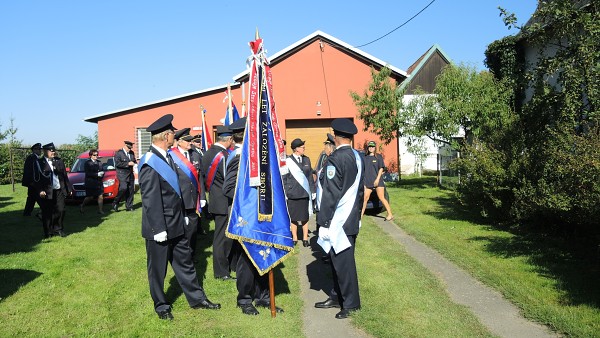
[
  {"x": 297, "y": 143},
  {"x": 160, "y": 125},
  {"x": 197, "y": 137},
  {"x": 49, "y": 146},
  {"x": 344, "y": 127},
  {"x": 129, "y": 143},
  {"x": 181, "y": 133},
  {"x": 238, "y": 125},
  {"x": 36, "y": 146},
  {"x": 223, "y": 131},
  {"x": 330, "y": 139}
]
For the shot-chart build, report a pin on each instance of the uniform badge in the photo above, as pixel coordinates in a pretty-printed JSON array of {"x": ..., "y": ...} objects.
[{"x": 330, "y": 171}]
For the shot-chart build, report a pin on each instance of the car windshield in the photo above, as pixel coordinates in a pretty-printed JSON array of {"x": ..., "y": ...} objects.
[{"x": 108, "y": 163}]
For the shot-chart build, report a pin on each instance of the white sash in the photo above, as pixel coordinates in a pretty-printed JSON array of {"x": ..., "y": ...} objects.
[
  {"x": 337, "y": 237},
  {"x": 299, "y": 176}
]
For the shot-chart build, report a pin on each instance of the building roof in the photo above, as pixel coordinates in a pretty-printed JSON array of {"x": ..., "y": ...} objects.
[
  {"x": 282, "y": 54},
  {"x": 421, "y": 61},
  {"x": 277, "y": 57}
]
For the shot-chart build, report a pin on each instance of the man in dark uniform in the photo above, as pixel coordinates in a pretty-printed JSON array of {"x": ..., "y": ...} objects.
[
  {"x": 52, "y": 186},
  {"x": 191, "y": 184},
  {"x": 124, "y": 161},
  {"x": 339, "y": 217},
  {"x": 196, "y": 155},
  {"x": 197, "y": 145},
  {"x": 27, "y": 180},
  {"x": 163, "y": 224},
  {"x": 213, "y": 165},
  {"x": 252, "y": 287}
]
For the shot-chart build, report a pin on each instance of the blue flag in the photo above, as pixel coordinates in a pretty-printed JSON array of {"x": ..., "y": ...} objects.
[
  {"x": 259, "y": 217},
  {"x": 267, "y": 242}
]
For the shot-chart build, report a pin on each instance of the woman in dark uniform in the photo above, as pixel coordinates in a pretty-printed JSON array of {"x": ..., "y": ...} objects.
[
  {"x": 373, "y": 181},
  {"x": 94, "y": 187}
]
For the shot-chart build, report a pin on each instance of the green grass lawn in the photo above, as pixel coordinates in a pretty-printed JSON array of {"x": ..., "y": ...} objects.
[
  {"x": 553, "y": 280},
  {"x": 93, "y": 282}
]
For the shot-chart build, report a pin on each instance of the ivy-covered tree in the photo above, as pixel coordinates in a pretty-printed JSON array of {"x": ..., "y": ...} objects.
[{"x": 553, "y": 66}]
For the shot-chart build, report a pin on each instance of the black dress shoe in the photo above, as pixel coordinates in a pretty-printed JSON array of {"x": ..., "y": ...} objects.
[
  {"x": 305, "y": 243},
  {"x": 328, "y": 304},
  {"x": 345, "y": 313},
  {"x": 248, "y": 309},
  {"x": 207, "y": 304},
  {"x": 268, "y": 306},
  {"x": 115, "y": 207},
  {"x": 295, "y": 242},
  {"x": 226, "y": 278},
  {"x": 61, "y": 233},
  {"x": 129, "y": 209},
  {"x": 165, "y": 315}
]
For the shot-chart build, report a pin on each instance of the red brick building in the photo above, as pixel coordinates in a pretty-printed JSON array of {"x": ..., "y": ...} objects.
[{"x": 312, "y": 80}]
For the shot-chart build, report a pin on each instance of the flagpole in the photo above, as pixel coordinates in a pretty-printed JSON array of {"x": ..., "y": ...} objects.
[
  {"x": 272, "y": 293},
  {"x": 229, "y": 107}
]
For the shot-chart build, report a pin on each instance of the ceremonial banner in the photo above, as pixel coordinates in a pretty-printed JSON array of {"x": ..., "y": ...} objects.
[
  {"x": 206, "y": 138},
  {"x": 259, "y": 218}
]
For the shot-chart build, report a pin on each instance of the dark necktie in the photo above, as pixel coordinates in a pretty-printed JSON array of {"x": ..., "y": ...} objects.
[{"x": 170, "y": 160}]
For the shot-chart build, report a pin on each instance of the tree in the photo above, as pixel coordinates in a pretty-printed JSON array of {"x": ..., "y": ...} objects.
[
  {"x": 553, "y": 66},
  {"x": 379, "y": 105}
]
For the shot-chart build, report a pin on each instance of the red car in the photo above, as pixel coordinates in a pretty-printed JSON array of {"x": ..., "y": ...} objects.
[{"x": 110, "y": 181}]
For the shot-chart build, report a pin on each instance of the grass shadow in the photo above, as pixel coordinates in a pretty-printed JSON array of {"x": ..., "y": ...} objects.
[
  {"x": 22, "y": 233},
  {"x": 13, "y": 279}
]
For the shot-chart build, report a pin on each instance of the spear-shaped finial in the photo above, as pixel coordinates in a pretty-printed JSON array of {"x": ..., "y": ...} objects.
[{"x": 256, "y": 35}]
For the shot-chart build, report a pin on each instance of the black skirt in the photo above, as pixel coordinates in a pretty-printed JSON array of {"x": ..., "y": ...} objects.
[{"x": 298, "y": 210}]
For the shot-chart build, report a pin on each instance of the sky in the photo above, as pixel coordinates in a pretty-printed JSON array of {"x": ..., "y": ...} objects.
[{"x": 64, "y": 61}]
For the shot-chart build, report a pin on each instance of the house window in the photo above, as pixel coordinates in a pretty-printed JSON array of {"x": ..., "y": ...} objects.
[{"x": 144, "y": 140}]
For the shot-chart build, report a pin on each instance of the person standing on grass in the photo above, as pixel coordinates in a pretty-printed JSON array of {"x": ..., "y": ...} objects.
[
  {"x": 94, "y": 188},
  {"x": 51, "y": 182},
  {"x": 27, "y": 181},
  {"x": 163, "y": 224},
  {"x": 191, "y": 183},
  {"x": 339, "y": 218},
  {"x": 124, "y": 161},
  {"x": 373, "y": 170},
  {"x": 251, "y": 286},
  {"x": 299, "y": 189},
  {"x": 213, "y": 165}
]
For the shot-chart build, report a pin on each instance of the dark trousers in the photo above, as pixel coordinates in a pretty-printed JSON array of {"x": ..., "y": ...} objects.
[
  {"x": 32, "y": 197},
  {"x": 345, "y": 278},
  {"x": 191, "y": 229},
  {"x": 126, "y": 190},
  {"x": 177, "y": 252},
  {"x": 250, "y": 285},
  {"x": 222, "y": 257},
  {"x": 53, "y": 213}
]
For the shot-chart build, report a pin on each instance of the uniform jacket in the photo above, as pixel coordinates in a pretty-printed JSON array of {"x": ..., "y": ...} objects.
[
  {"x": 28, "y": 168},
  {"x": 196, "y": 158},
  {"x": 231, "y": 177},
  {"x": 124, "y": 171},
  {"x": 189, "y": 193},
  {"x": 44, "y": 183},
  {"x": 293, "y": 189},
  {"x": 339, "y": 175},
  {"x": 162, "y": 208},
  {"x": 91, "y": 174},
  {"x": 217, "y": 200}
]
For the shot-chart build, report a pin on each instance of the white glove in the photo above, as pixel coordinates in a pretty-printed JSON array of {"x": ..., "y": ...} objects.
[
  {"x": 187, "y": 220},
  {"x": 314, "y": 195},
  {"x": 160, "y": 237},
  {"x": 323, "y": 233},
  {"x": 202, "y": 203},
  {"x": 100, "y": 173}
]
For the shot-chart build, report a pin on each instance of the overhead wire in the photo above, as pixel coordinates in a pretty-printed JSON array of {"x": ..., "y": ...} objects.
[{"x": 395, "y": 29}]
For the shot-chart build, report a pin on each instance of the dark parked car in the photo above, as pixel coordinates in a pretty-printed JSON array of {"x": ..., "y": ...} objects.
[
  {"x": 110, "y": 181},
  {"x": 374, "y": 205}
]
